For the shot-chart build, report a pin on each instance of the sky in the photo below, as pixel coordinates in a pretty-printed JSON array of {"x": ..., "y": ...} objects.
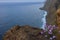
[{"x": 22, "y": 0}]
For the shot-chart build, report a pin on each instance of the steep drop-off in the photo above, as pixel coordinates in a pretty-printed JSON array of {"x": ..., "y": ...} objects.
[
  {"x": 53, "y": 13},
  {"x": 50, "y": 6}
]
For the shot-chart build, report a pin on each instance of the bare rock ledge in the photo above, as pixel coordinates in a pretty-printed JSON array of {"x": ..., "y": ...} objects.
[{"x": 23, "y": 33}]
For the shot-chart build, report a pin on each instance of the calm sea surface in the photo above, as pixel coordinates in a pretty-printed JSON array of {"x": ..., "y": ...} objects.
[{"x": 20, "y": 14}]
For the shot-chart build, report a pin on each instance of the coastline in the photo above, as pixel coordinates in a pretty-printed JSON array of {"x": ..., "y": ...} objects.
[
  {"x": 31, "y": 33},
  {"x": 44, "y": 20},
  {"x": 49, "y": 7},
  {"x": 53, "y": 14}
]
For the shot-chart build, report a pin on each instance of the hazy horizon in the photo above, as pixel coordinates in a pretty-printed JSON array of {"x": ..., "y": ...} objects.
[
  {"x": 19, "y": 3},
  {"x": 22, "y": 0}
]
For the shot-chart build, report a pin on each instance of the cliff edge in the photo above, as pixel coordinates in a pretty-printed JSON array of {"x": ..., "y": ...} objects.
[{"x": 24, "y": 33}]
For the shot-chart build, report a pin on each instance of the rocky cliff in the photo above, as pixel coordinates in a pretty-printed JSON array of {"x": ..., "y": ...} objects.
[
  {"x": 51, "y": 7},
  {"x": 58, "y": 22},
  {"x": 30, "y": 33},
  {"x": 53, "y": 17}
]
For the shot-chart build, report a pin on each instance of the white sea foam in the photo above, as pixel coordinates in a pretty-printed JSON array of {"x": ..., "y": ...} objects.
[{"x": 44, "y": 20}]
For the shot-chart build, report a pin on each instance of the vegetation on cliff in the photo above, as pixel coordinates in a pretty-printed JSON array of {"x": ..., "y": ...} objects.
[{"x": 30, "y": 33}]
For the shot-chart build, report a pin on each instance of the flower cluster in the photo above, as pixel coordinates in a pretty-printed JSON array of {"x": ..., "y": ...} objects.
[{"x": 50, "y": 32}]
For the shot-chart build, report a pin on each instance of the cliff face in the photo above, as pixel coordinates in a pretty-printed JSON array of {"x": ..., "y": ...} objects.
[
  {"x": 50, "y": 6},
  {"x": 53, "y": 17},
  {"x": 58, "y": 22}
]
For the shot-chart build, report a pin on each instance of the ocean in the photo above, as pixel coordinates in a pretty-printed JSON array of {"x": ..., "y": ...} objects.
[{"x": 12, "y": 14}]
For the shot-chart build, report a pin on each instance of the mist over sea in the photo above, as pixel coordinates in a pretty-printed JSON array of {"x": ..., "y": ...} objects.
[{"x": 12, "y": 14}]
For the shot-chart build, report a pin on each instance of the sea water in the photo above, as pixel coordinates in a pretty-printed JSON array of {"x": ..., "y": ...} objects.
[{"x": 12, "y": 14}]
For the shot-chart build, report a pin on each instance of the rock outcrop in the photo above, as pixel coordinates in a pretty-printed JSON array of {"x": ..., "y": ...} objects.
[{"x": 24, "y": 33}]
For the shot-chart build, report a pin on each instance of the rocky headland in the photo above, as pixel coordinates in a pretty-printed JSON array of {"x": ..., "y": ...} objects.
[
  {"x": 31, "y": 33},
  {"x": 24, "y": 33}
]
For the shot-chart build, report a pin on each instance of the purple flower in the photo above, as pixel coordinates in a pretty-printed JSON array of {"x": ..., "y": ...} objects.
[
  {"x": 49, "y": 26},
  {"x": 49, "y": 32},
  {"x": 51, "y": 29},
  {"x": 42, "y": 32},
  {"x": 51, "y": 38},
  {"x": 54, "y": 36}
]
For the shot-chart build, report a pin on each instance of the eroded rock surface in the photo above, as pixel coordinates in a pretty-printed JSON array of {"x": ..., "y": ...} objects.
[{"x": 23, "y": 33}]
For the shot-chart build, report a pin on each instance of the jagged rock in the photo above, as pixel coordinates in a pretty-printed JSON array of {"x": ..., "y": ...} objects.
[{"x": 23, "y": 33}]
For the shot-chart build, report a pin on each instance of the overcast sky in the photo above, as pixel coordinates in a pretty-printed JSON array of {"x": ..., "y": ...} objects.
[{"x": 22, "y": 0}]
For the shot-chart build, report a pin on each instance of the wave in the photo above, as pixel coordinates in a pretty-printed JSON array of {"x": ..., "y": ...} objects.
[{"x": 44, "y": 20}]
